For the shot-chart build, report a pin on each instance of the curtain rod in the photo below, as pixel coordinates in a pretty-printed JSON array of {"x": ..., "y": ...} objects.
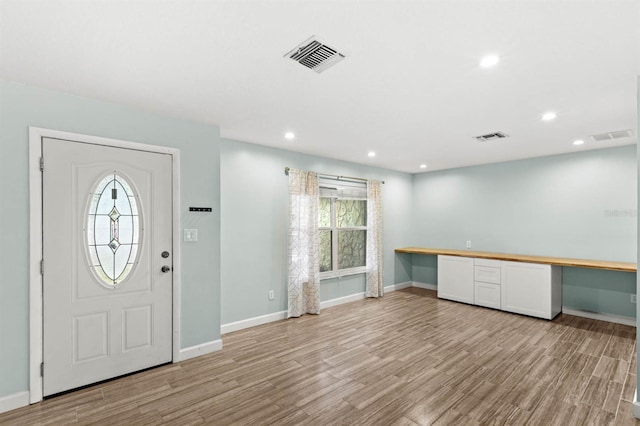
[{"x": 338, "y": 177}]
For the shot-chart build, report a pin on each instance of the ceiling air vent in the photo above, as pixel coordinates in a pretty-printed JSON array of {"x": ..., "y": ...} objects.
[
  {"x": 315, "y": 55},
  {"x": 612, "y": 135},
  {"x": 491, "y": 136}
]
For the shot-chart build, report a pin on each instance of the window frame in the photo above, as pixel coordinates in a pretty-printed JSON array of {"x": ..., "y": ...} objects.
[{"x": 335, "y": 272}]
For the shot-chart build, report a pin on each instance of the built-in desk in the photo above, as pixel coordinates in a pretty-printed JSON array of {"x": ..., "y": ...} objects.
[
  {"x": 524, "y": 284},
  {"x": 558, "y": 261}
]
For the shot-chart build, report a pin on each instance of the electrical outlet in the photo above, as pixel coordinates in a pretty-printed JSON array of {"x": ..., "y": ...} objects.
[
  {"x": 271, "y": 295},
  {"x": 469, "y": 244},
  {"x": 633, "y": 298}
]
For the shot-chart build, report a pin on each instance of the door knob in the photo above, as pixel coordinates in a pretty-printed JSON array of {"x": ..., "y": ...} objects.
[{"x": 166, "y": 268}]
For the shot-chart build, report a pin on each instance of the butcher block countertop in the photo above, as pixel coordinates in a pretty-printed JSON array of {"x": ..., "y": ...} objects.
[{"x": 560, "y": 261}]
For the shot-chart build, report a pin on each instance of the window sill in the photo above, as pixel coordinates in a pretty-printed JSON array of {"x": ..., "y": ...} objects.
[{"x": 342, "y": 273}]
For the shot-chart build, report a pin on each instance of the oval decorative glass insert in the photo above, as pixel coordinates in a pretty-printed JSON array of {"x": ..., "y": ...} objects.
[{"x": 113, "y": 230}]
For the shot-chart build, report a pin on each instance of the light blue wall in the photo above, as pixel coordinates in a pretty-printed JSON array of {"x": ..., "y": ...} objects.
[
  {"x": 553, "y": 206},
  {"x": 22, "y": 106},
  {"x": 580, "y": 205},
  {"x": 254, "y": 201},
  {"x": 424, "y": 268},
  {"x": 599, "y": 290}
]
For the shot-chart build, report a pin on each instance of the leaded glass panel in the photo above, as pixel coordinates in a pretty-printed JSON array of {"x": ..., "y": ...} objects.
[
  {"x": 126, "y": 228},
  {"x": 351, "y": 213},
  {"x": 351, "y": 249},
  {"x": 101, "y": 228},
  {"x": 112, "y": 230},
  {"x": 325, "y": 213},
  {"x": 325, "y": 250},
  {"x": 136, "y": 227}
]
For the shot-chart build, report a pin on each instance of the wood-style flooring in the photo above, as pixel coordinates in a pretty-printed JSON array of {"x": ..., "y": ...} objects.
[{"x": 405, "y": 359}]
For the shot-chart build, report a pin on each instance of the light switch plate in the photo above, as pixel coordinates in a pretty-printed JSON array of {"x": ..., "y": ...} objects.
[{"x": 191, "y": 235}]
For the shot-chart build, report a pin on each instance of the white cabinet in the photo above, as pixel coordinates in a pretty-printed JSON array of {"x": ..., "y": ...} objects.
[
  {"x": 524, "y": 288},
  {"x": 455, "y": 278},
  {"x": 532, "y": 289}
]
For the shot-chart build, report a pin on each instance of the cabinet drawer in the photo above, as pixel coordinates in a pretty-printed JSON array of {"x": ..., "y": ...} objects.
[
  {"x": 487, "y": 262},
  {"x": 487, "y": 274},
  {"x": 487, "y": 295}
]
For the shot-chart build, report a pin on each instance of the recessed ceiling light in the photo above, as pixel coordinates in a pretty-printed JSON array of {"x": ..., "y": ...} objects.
[
  {"x": 578, "y": 142},
  {"x": 289, "y": 135},
  {"x": 423, "y": 166},
  {"x": 548, "y": 116},
  {"x": 371, "y": 154},
  {"x": 489, "y": 61}
]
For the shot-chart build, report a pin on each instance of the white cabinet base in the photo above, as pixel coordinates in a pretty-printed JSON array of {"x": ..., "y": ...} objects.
[{"x": 523, "y": 288}]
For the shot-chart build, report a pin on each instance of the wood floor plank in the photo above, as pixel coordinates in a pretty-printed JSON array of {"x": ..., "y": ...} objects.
[
  {"x": 406, "y": 359},
  {"x": 625, "y": 415},
  {"x": 385, "y": 413},
  {"x": 555, "y": 411},
  {"x": 611, "y": 369},
  {"x": 602, "y": 394},
  {"x": 621, "y": 344},
  {"x": 629, "y": 387},
  {"x": 342, "y": 414},
  {"x": 286, "y": 416},
  {"x": 434, "y": 406},
  {"x": 404, "y": 421},
  {"x": 452, "y": 417}
]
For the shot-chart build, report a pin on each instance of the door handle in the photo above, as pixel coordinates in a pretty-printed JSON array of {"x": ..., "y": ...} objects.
[{"x": 166, "y": 269}]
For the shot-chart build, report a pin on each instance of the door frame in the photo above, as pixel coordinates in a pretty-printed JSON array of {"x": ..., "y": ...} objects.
[{"x": 36, "y": 300}]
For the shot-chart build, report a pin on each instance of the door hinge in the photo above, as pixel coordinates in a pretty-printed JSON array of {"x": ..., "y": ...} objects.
[
  {"x": 42, "y": 164},
  {"x": 42, "y": 267},
  {"x": 42, "y": 369}
]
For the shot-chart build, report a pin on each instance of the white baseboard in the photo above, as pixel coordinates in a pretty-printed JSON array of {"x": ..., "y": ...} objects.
[
  {"x": 399, "y": 286},
  {"x": 424, "y": 285},
  {"x": 341, "y": 300},
  {"x": 13, "y": 401},
  {"x": 277, "y": 316},
  {"x": 636, "y": 405},
  {"x": 252, "y": 322},
  {"x": 599, "y": 316},
  {"x": 203, "y": 349}
]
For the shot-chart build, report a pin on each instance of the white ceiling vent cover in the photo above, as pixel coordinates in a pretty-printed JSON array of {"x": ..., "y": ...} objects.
[
  {"x": 612, "y": 135},
  {"x": 315, "y": 55},
  {"x": 491, "y": 136}
]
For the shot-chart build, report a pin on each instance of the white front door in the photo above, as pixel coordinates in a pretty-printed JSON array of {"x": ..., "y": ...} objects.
[{"x": 107, "y": 250}]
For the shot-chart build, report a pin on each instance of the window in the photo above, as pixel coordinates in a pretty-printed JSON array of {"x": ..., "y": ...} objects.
[
  {"x": 112, "y": 230},
  {"x": 342, "y": 226}
]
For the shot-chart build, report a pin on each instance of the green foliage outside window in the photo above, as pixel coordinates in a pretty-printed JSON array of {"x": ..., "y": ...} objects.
[{"x": 342, "y": 226}]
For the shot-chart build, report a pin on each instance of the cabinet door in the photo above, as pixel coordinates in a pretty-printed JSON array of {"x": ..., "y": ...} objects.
[
  {"x": 526, "y": 289},
  {"x": 455, "y": 278}
]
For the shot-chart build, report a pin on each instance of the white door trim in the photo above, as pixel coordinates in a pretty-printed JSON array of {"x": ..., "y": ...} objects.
[{"x": 35, "y": 241}]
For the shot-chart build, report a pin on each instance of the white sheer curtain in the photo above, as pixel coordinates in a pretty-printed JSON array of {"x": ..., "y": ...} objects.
[
  {"x": 304, "y": 259},
  {"x": 375, "y": 286}
]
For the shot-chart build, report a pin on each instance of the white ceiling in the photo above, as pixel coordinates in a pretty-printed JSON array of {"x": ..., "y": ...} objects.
[{"x": 410, "y": 88}]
